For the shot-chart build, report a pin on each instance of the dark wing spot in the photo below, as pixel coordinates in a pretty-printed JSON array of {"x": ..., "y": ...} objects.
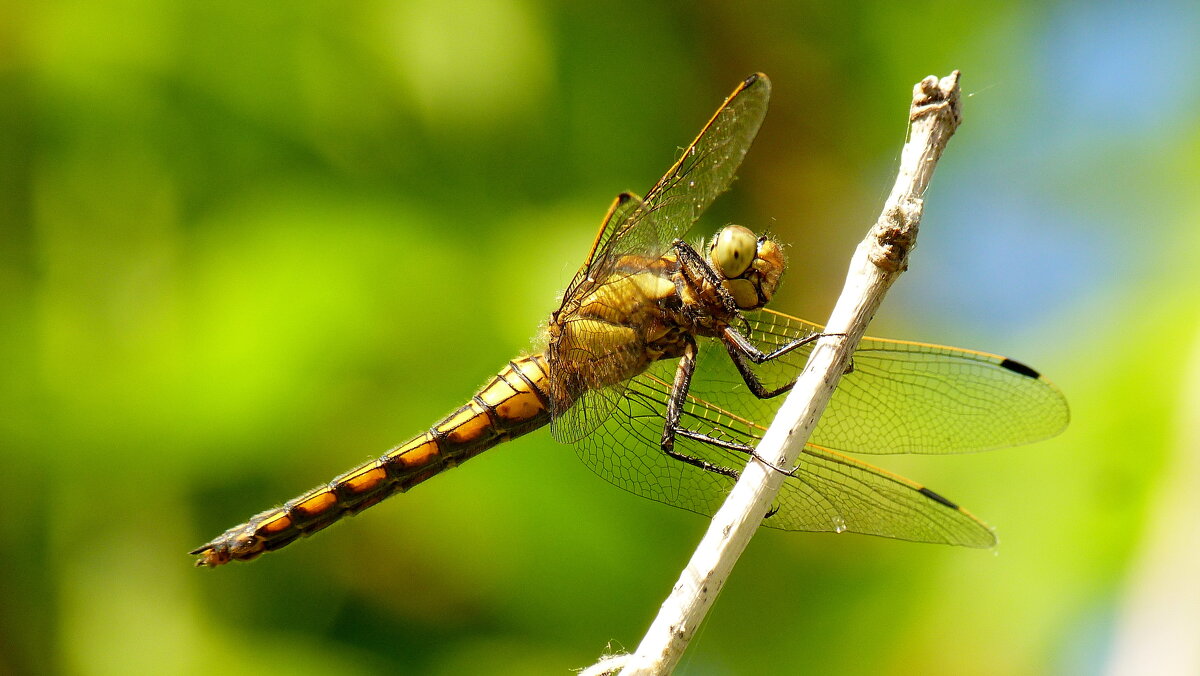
[
  {"x": 934, "y": 496},
  {"x": 1018, "y": 367},
  {"x": 750, "y": 80}
]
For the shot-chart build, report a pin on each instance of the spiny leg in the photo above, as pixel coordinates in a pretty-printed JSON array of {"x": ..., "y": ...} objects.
[
  {"x": 736, "y": 341},
  {"x": 675, "y": 400},
  {"x": 693, "y": 265},
  {"x": 673, "y": 429},
  {"x": 751, "y": 378},
  {"x": 740, "y": 350}
]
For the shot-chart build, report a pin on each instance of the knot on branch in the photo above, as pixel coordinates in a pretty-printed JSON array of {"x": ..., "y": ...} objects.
[
  {"x": 895, "y": 233},
  {"x": 933, "y": 96}
]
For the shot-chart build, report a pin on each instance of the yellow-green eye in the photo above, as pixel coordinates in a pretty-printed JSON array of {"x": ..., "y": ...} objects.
[{"x": 734, "y": 250}]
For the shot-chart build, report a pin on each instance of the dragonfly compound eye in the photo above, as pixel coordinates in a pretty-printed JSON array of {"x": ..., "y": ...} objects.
[{"x": 734, "y": 250}]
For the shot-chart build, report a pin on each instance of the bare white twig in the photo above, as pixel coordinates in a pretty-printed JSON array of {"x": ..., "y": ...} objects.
[{"x": 880, "y": 258}]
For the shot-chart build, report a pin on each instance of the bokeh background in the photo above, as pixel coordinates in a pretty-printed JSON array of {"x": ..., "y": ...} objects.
[{"x": 245, "y": 248}]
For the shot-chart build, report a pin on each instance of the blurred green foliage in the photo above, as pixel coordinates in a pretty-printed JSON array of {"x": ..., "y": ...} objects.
[{"x": 244, "y": 247}]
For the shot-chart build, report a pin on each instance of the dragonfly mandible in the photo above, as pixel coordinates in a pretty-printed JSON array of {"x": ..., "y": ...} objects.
[{"x": 662, "y": 367}]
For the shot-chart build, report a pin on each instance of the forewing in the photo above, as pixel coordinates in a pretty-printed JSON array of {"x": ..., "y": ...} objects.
[
  {"x": 905, "y": 397},
  {"x": 585, "y": 352},
  {"x": 626, "y": 208},
  {"x": 829, "y": 492},
  {"x": 900, "y": 396},
  {"x": 584, "y": 355},
  {"x": 703, "y": 171}
]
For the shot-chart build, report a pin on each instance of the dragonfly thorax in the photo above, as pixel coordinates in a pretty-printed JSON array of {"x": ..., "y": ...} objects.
[{"x": 750, "y": 266}]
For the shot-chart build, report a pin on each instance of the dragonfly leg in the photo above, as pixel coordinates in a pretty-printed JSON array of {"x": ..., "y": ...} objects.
[
  {"x": 736, "y": 341},
  {"x": 751, "y": 378},
  {"x": 679, "y": 391},
  {"x": 732, "y": 446},
  {"x": 741, "y": 350},
  {"x": 694, "y": 266},
  {"x": 672, "y": 428},
  {"x": 704, "y": 464}
]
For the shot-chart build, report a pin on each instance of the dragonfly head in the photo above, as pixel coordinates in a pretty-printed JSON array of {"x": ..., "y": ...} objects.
[{"x": 751, "y": 266}]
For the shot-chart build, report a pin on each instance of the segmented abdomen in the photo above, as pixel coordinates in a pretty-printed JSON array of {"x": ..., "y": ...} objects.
[{"x": 511, "y": 404}]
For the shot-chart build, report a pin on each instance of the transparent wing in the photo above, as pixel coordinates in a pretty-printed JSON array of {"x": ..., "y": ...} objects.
[
  {"x": 582, "y": 395},
  {"x": 900, "y": 396},
  {"x": 703, "y": 171},
  {"x": 585, "y": 353},
  {"x": 624, "y": 450},
  {"x": 858, "y": 497},
  {"x": 830, "y": 492}
]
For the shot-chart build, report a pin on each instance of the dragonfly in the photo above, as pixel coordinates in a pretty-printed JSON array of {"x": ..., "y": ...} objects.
[{"x": 662, "y": 367}]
